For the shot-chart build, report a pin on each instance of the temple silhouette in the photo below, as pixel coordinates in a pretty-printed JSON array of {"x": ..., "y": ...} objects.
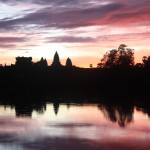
[
  {"x": 27, "y": 62},
  {"x": 57, "y": 64},
  {"x": 68, "y": 62},
  {"x": 26, "y": 75},
  {"x": 56, "y": 61},
  {"x": 23, "y": 61}
]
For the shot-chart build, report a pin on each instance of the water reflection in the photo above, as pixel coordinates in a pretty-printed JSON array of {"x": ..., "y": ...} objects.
[
  {"x": 71, "y": 124},
  {"x": 56, "y": 107},
  {"x": 122, "y": 114},
  {"x": 26, "y": 109}
]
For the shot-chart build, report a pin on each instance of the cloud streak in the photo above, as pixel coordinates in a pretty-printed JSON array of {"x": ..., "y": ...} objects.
[
  {"x": 66, "y": 19},
  {"x": 7, "y": 46},
  {"x": 70, "y": 39},
  {"x": 12, "y": 39},
  {"x": 11, "y": 42}
]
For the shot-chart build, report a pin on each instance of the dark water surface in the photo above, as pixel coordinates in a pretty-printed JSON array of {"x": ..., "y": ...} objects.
[{"x": 72, "y": 125}]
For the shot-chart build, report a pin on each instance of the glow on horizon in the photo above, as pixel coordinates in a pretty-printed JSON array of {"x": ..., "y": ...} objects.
[{"x": 79, "y": 58}]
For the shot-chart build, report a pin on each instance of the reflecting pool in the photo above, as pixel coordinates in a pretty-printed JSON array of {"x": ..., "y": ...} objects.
[{"x": 76, "y": 126}]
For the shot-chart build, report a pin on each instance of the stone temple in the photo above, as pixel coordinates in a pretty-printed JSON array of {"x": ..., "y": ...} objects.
[
  {"x": 57, "y": 64},
  {"x": 56, "y": 61}
]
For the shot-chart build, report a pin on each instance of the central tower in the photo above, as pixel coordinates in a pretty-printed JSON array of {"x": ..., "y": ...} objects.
[{"x": 56, "y": 62}]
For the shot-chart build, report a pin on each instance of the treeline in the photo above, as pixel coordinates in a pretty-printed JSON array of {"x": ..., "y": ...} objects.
[{"x": 122, "y": 57}]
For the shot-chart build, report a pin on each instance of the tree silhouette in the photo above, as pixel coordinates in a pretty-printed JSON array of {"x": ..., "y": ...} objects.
[
  {"x": 146, "y": 61},
  {"x": 126, "y": 56},
  {"x": 138, "y": 65},
  {"x": 118, "y": 57},
  {"x": 110, "y": 58},
  {"x": 91, "y": 66},
  {"x": 100, "y": 65}
]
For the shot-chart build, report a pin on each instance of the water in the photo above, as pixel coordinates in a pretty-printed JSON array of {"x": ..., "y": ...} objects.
[{"x": 75, "y": 126}]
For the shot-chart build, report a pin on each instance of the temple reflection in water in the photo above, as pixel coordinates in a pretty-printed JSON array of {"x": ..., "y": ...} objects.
[{"x": 119, "y": 113}]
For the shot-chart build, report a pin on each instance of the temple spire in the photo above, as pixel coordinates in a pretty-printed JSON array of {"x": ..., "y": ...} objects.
[
  {"x": 68, "y": 62},
  {"x": 56, "y": 61}
]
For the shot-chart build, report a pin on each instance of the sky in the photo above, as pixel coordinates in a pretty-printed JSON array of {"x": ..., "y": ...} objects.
[{"x": 82, "y": 30}]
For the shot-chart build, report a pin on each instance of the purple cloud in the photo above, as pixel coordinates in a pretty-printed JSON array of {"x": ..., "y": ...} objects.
[
  {"x": 70, "y": 39},
  {"x": 11, "y": 42},
  {"x": 65, "y": 19},
  {"x": 113, "y": 13},
  {"x": 12, "y": 39},
  {"x": 7, "y": 46}
]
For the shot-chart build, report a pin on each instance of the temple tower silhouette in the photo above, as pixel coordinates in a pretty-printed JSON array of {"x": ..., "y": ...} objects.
[
  {"x": 56, "y": 61},
  {"x": 68, "y": 63},
  {"x": 23, "y": 62}
]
